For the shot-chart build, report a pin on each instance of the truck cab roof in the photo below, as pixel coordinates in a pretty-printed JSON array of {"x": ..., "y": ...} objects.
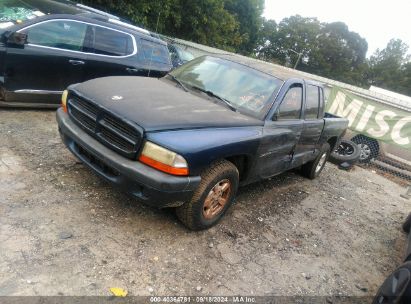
[{"x": 279, "y": 72}]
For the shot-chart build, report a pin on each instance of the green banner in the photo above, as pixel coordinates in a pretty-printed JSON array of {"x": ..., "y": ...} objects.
[{"x": 371, "y": 118}]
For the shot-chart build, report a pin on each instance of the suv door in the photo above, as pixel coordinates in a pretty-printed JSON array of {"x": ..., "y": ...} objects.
[
  {"x": 313, "y": 123},
  {"x": 112, "y": 53},
  {"x": 52, "y": 59},
  {"x": 282, "y": 133}
]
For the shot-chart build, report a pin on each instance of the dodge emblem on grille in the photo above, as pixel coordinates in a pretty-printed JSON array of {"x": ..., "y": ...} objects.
[{"x": 116, "y": 97}]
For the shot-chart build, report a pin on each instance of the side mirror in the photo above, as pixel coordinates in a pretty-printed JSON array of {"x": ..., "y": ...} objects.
[{"x": 17, "y": 39}]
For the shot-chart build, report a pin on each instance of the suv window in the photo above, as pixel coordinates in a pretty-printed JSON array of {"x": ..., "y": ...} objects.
[
  {"x": 61, "y": 34},
  {"x": 290, "y": 107},
  {"x": 155, "y": 51},
  {"x": 112, "y": 43},
  {"x": 173, "y": 52},
  {"x": 312, "y": 102}
]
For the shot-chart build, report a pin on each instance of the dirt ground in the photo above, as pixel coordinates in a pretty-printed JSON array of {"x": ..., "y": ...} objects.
[{"x": 64, "y": 231}]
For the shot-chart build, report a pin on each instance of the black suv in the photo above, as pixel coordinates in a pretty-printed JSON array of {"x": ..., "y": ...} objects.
[{"x": 40, "y": 57}]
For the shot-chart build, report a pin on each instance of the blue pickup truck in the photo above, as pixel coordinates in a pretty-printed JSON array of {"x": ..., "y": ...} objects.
[{"x": 190, "y": 139}]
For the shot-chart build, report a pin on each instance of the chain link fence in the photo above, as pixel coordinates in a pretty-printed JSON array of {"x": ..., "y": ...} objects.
[{"x": 385, "y": 159}]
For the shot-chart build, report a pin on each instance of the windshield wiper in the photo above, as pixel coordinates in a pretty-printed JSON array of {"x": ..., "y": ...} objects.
[
  {"x": 209, "y": 93},
  {"x": 178, "y": 81}
]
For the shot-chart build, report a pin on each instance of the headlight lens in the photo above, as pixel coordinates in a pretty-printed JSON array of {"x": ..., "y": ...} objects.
[
  {"x": 64, "y": 100},
  {"x": 164, "y": 160}
]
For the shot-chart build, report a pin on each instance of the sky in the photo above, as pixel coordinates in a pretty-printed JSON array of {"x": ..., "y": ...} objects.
[{"x": 376, "y": 21}]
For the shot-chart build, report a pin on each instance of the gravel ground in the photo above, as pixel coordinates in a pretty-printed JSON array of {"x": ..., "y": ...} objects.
[{"x": 64, "y": 231}]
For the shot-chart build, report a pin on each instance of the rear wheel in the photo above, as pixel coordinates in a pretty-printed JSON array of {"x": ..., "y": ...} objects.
[
  {"x": 215, "y": 194},
  {"x": 313, "y": 168},
  {"x": 2, "y": 94}
]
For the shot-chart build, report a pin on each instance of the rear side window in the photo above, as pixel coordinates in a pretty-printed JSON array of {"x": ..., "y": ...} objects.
[
  {"x": 112, "y": 43},
  {"x": 321, "y": 110},
  {"x": 61, "y": 34},
  {"x": 290, "y": 107},
  {"x": 155, "y": 52},
  {"x": 312, "y": 102}
]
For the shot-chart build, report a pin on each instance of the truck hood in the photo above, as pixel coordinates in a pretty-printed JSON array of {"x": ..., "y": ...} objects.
[{"x": 158, "y": 104}]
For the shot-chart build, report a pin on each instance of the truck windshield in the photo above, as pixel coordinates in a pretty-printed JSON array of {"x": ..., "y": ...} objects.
[
  {"x": 16, "y": 11},
  {"x": 246, "y": 89}
]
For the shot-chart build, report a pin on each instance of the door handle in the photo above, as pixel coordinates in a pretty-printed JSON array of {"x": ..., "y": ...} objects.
[
  {"x": 76, "y": 62},
  {"x": 132, "y": 70}
]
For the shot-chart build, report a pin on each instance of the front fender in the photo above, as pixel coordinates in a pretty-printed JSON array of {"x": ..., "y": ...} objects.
[{"x": 201, "y": 147}]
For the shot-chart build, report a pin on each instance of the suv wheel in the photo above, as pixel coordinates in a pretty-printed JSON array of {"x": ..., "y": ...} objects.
[
  {"x": 313, "y": 168},
  {"x": 369, "y": 148},
  {"x": 216, "y": 192}
]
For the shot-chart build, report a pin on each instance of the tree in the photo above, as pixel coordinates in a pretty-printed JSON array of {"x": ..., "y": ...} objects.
[
  {"x": 226, "y": 24},
  {"x": 340, "y": 54},
  {"x": 390, "y": 68},
  {"x": 294, "y": 35},
  {"x": 327, "y": 49},
  {"x": 405, "y": 82},
  {"x": 248, "y": 14},
  {"x": 267, "y": 37}
]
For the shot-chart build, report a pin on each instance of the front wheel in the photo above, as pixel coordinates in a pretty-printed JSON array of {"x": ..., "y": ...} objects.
[
  {"x": 215, "y": 194},
  {"x": 313, "y": 168}
]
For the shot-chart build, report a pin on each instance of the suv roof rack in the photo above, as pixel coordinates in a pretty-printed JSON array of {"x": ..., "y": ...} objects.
[
  {"x": 96, "y": 11},
  {"x": 128, "y": 25}
]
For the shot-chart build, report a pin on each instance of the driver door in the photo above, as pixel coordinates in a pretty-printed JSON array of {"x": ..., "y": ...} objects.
[{"x": 282, "y": 134}]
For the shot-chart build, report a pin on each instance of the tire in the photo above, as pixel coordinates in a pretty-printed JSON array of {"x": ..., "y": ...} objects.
[
  {"x": 313, "y": 168},
  {"x": 369, "y": 148},
  {"x": 346, "y": 152},
  {"x": 396, "y": 288},
  {"x": 203, "y": 211},
  {"x": 406, "y": 227},
  {"x": 2, "y": 94}
]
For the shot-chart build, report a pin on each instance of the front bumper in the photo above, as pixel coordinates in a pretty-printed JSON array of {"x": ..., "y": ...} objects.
[{"x": 145, "y": 183}]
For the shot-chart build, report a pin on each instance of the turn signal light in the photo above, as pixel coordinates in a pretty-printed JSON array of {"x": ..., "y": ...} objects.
[
  {"x": 64, "y": 100},
  {"x": 163, "y": 159}
]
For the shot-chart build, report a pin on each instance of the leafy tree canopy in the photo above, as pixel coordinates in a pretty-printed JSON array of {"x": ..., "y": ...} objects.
[
  {"x": 327, "y": 49},
  {"x": 227, "y": 24},
  {"x": 390, "y": 68}
]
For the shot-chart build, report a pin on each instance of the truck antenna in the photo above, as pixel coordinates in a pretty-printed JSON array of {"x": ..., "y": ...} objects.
[{"x": 151, "y": 56}]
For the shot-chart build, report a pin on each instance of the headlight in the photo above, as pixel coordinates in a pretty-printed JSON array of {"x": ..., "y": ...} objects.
[
  {"x": 64, "y": 100},
  {"x": 163, "y": 159}
]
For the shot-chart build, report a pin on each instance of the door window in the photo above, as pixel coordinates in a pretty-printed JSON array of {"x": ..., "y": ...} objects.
[
  {"x": 155, "y": 52},
  {"x": 312, "y": 103},
  {"x": 112, "y": 43},
  {"x": 61, "y": 34},
  {"x": 290, "y": 107},
  {"x": 321, "y": 109}
]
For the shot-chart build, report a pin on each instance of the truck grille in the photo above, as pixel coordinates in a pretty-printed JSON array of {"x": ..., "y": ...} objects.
[{"x": 110, "y": 130}]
